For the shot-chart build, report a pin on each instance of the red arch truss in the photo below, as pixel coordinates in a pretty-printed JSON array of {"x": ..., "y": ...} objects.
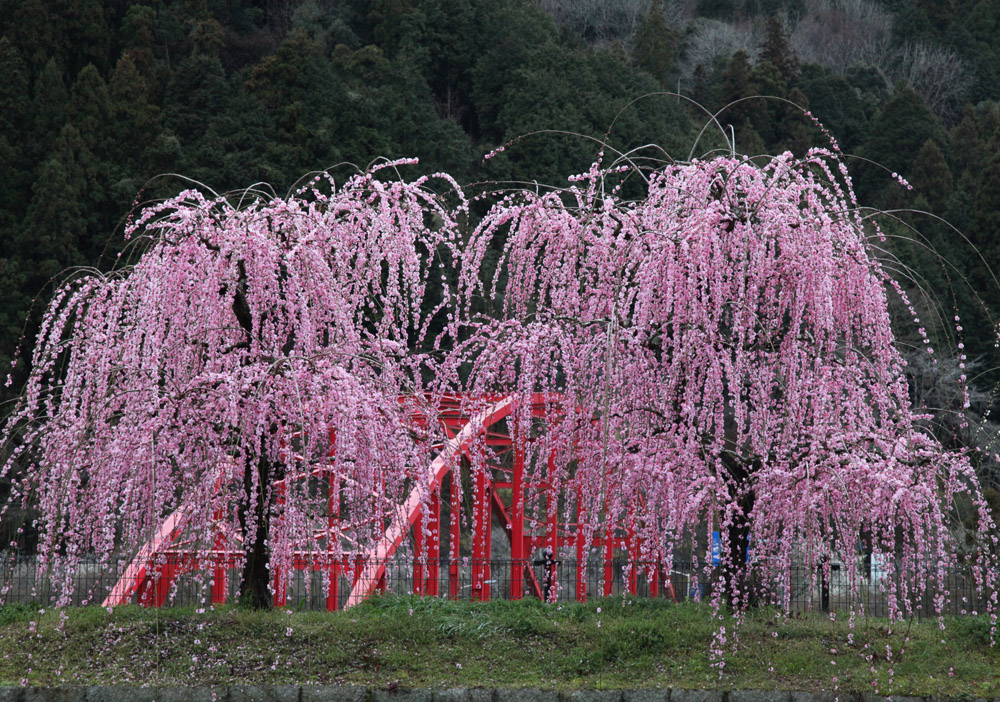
[{"x": 498, "y": 493}]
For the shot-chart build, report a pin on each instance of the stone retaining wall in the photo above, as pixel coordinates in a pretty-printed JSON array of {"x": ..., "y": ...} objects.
[{"x": 341, "y": 693}]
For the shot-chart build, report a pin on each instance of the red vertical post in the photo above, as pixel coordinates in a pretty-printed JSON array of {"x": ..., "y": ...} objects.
[
  {"x": 668, "y": 583},
  {"x": 279, "y": 585},
  {"x": 434, "y": 545},
  {"x": 633, "y": 557},
  {"x": 359, "y": 569},
  {"x": 553, "y": 521},
  {"x": 167, "y": 571},
  {"x": 219, "y": 583},
  {"x": 609, "y": 555},
  {"x": 333, "y": 562},
  {"x": 144, "y": 593},
  {"x": 455, "y": 527},
  {"x": 333, "y": 586},
  {"x": 418, "y": 547},
  {"x": 278, "y": 580},
  {"x": 609, "y": 550},
  {"x": 221, "y": 565},
  {"x": 481, "y": 533},
  {"x": 581, "y": 551},
  {"x": 145, "y": 586},
  {"x": 517, "y": 551}
]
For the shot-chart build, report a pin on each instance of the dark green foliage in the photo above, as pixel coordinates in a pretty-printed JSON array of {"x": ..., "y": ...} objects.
[
  {"x": 968, "y": 148},
  {"x": 518, "y": 34},
  {"x": 778, "y": 52},
  {"x": 15, "y": 152},
  {"x": 56, "y": 225},
  {"x": 985, "y": 222},
  {"x": 87, "y": 33},
  {"x": 735, "y": 87},
  {"x": 654, "y": 48},
  {"x": 48, "y": 109},
  {"x": 538, "y": 100},
  {"x": 135, "y": 118},
  {"x": 33, "y": 28},
  {"x": 939, "y": 13},
  {"x": 838, "y": 105},
  {"x": 720, "y": 9},
  {"x": 982, "y": 24},
  {"x": 769, "y": 8},
  {"x": 89, "y": 109},
  {"x": 898, "y": 131},
  {"x": 136, "y": 30},
  {"x": 195, "y": 96},
  {"x": 931, "y": 177},
  {"x": 869, "y": 83},
  {"x": 13, "y": 302},
  {"x": 14, "y": 99},
  {"x": 912, "y": 24}
]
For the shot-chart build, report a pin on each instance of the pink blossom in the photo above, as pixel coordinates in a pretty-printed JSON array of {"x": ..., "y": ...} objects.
[{"x": 721, "y": 349}]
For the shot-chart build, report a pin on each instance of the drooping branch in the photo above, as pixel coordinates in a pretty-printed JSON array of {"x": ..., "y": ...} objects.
[{"x": 721, "y": 347}]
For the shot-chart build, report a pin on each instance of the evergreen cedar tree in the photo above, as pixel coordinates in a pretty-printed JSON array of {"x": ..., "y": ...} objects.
[{"x": 722, "y": 345}]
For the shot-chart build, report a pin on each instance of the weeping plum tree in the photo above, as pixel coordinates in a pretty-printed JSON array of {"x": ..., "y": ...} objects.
[
  {"x": 725, "y": 348},
  {"x": 223, "y": 360},
  {"x": 721, "y": 348}
]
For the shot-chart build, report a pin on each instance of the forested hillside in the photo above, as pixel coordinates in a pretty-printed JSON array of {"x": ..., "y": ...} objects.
[{"x": 101, "y": 100}]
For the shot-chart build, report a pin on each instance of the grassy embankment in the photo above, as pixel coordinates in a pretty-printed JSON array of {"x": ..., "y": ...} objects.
[{"x": 416, "y": 642}]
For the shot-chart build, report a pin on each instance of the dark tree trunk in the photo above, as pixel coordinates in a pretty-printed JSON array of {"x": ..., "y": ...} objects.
[
  {"x": 739, "y": 540},
  {"x": 254, "y": 584},
  {"x": 254, "y": 590},
  {"x": 825, "y": 575},
  {"x": 739, "y": 587}
]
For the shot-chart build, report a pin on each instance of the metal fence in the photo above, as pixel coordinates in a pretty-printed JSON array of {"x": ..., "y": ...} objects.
[{"x": 24, "y": 580}]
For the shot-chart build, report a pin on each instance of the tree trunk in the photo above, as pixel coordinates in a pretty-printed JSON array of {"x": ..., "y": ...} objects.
[
  {"x": 254, "y": 586},
  {"x": 254, "y": 590},
  {"x": 739, "y": 587}
]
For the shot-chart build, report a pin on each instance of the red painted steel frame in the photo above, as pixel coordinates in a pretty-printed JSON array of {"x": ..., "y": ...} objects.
[{"x": 152, "y": 572}]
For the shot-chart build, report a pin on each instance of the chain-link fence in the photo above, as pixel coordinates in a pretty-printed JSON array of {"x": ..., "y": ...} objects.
[{"x": 172, "y": 580}]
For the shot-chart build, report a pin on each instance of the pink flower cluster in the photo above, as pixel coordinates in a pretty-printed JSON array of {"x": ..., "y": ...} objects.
[{"x": 721, "y": 347}]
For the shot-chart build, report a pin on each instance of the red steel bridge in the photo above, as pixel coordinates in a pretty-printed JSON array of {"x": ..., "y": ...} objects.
[{"x": 504, "y": 492}]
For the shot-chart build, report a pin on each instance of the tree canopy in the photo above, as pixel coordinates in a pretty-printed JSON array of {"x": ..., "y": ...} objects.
[
  {"x": 722, "y": 346},
  {"x": 221, "y": 362}
]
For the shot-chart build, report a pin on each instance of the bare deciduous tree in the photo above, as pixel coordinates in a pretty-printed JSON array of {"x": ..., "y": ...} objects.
[
  {"x": 934, "y": 73},
  {"x": 712, "y": 39},
  {"x": 841, "y": 33},
  {"x": 598, "y": 21}
]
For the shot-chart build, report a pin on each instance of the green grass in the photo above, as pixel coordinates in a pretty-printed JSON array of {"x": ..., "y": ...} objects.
[{"x": 418, "y": 642}]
